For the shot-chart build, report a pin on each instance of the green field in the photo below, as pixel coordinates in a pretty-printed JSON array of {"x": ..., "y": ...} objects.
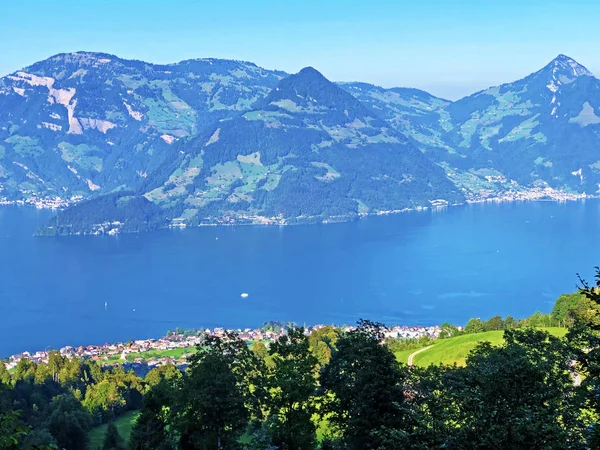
[
  {"x": 124, "y": 424},
  {"x": 175, "y": 353},
  {"x": 456, "y": 349}
]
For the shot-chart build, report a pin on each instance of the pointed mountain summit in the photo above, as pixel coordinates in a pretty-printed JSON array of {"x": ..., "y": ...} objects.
[
  {"x": 540, "y": 131},
  {"x": 561, "y": 71},
  {"x": 310, "y": 92},
  {"x": 308, "y": 152},
  {"x": 564, "y": 66}
]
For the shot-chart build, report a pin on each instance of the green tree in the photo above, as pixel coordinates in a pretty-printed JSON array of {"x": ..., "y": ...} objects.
[
  {"x": 516, "y": 396},
  {"x": 538, "y": 320},
  {"x": 260, "y": 349},
  {"x": 363, "y": 385},
  {"x": 430, "y": 406},
  {"x": 159, "y": 374},
  {"x": 154, "y": 428},
  {"x": 292, "y": 387},
  {"x": 55, "y": 363},
  {"x": 584, "y": 336},
  {"x": 4, "y": 374},
  {"x": 510, "y": 323},
  {"x": 12, "y": 430},
  {"x": 105, "y": 399},
  {"x": 24, "y": 369},
  {"x": 115, "y": 392},
  {"x": 447, "y": 330},
  {"x": 42, "y": 373},
  {"x": 474, "y": 326},
  {"x": 39, "y": 439},
  {"x": 217, "y": 395},
  {"x": 322, "y": 343},
  {"x": 494, "y": 324},
  {"x": 69, "y": 422},
  {"x": 112, "y": 439}
]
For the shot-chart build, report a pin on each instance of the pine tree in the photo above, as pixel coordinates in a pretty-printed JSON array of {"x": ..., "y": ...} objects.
[{"x": 112, "y": 439}]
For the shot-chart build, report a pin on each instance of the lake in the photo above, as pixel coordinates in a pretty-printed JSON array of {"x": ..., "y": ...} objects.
[{"x": 412, "y": 268}]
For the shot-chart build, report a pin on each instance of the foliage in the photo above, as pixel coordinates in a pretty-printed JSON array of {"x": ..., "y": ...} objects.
[
  {"x": 116, "y": 392},
  {"x": 323, "y": 342},
  {"x": 12, "y": 430},
  {"x": 292, "y": 387},
  {"x": 514, "y": 396},
  {"x": 69, "y": 422},
  {"x": 216, "y": 398},
  {"x": 112, "y": 439},
  {"x": 363, "y": 387}
]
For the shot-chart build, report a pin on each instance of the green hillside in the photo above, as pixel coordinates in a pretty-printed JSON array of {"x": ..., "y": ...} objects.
[
  {"x": 124, "y": 425},
  {"x": 456, "y": 349}
]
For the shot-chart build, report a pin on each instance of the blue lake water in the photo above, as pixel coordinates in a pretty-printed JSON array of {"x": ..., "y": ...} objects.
[{"x": 412, "y": 268}]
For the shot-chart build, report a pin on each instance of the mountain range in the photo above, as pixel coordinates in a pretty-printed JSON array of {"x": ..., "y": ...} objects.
[{"x": 128, "y": 145}]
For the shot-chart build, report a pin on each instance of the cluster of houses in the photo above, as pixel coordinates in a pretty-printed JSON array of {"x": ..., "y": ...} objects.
[
  {"x": 536, "y": 193},
  {"x": 131, "y": 355},
  {"x": 44, "y": 202}
]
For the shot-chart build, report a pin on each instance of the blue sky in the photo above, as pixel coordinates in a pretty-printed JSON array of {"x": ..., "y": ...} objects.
[{"x": 450, "y": 48}]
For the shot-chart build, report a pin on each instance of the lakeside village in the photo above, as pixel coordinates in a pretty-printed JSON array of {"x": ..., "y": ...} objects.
[
  {"x": 483, "y": 195},
  {"x": 143, "y": 355}
]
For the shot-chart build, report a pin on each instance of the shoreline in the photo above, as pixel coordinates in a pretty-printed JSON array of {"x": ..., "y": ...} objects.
[
  {"x": 114, "y": 228},
  {"x": 111, "y": 353}
]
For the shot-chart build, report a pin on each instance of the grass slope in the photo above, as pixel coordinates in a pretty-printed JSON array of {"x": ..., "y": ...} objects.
[
  {"x": 124, "y": 424},
  {"x": 175, "y": 353},
  {"x": 456, "y": 349}
]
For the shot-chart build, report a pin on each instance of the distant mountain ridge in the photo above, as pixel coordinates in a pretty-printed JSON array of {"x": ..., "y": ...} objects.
[
  {"x": 87, "y": 123},
  {"x": 219, "y": 141}
]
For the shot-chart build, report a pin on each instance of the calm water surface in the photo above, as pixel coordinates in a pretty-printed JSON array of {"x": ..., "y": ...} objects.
[{"x": 413, "y": 268}]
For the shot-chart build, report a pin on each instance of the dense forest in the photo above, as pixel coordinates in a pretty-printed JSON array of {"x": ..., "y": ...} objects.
[{"x": 328, "y": 390}]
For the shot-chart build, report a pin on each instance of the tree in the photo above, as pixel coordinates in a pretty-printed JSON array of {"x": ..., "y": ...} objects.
[
  {"x": 55, "y": 363},
  {"x": 517, "y": 396},
  {"x": 322, "y": 343},
  {"x": 117, "y": 391},
  {"x": 447, "y": 330},
  {"x": 12, "y": 430},
  {"x": 430, "y": 406},
  {"x": 292, "y": 386},
  {"x": 154, "y": 427},
  {"x": 510, "y": 323},
  {"x": 217, "y": 395},
  {"x": 39, "y": 439},
  {"x": 494, "y": 324},
  {"x": 24, "y": 369},
  {"x": 4, "y": 374},
  {"x": 104, "y": 398},
  {"x": 260, "y": 349},
  {"x": 584, "y": 336},
  {"x": 363, "y": 385},
  {"x": 69, "y": 422},
  {"x": 112, "y": 439},
  {"x": 474, "y": 326},
  {"x": 159, "y": 374}
]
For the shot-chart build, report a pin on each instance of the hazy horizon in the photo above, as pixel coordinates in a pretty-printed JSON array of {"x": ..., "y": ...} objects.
[{"x": 448, "y": 49}]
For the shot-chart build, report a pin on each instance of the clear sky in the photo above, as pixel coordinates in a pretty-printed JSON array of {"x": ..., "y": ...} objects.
[{"x": 449, "y": 48}]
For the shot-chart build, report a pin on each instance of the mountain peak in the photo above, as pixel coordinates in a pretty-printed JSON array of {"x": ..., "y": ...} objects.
[
  {"x": 310, "y": 71},
  {"x": 308, "y": 85},
  {"x": 310, "y": 92},
  {"x": 565, "y": 66}
]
